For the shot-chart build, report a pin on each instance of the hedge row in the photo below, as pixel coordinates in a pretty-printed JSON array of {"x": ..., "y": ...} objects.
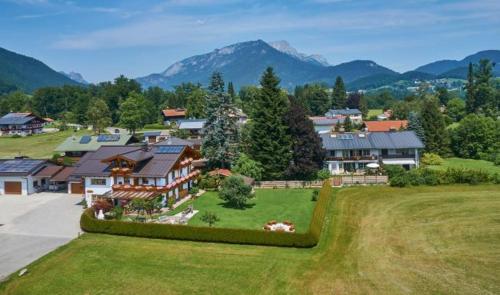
[
  {"x": 427, "y": 176},
  {"x": 89, "y": 223}
]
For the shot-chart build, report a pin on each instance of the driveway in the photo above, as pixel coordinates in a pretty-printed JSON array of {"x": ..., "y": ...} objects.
[{"x": 32, "y": 226}]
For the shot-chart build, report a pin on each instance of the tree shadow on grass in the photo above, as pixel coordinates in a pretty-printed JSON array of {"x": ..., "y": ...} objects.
[{"x": 229, "y": 206}]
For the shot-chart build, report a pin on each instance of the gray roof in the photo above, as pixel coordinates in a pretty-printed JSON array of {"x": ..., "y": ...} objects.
[
  {"x": 17, "y": 118},
  {"x": 175, "y": 141},
  {"x": 150, "y": 163},
  {"x": 152, "y": 133},
  {"x": 21, "y": 167},
  {"x": 192, "y": 124},
  {"x": 344, "y": 112},
  {"x": 371, "y": 140},
  {"x": 77, "y": 144},
  {"x": 327, "y": 121}
]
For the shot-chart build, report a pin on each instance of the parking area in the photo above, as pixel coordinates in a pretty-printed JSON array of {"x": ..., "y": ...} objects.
[{"x": 32, "y": 226}]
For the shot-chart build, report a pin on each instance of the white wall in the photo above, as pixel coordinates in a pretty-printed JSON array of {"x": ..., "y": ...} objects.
[
  {"x": 91, "y": 189},
  {"x": 26, "y": 184}
]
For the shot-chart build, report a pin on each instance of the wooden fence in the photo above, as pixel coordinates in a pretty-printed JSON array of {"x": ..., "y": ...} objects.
[
  {"x": 335, "y": 181},
  {"x": 289, "y": 184},
  {"x": 359, "y": 179}
]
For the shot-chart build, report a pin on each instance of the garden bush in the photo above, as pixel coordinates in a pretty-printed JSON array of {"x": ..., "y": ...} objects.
[
  {"x": 89, "y": 223},
  {"x": 426, "y": 176},
  {"x": 431, "y": 159}
]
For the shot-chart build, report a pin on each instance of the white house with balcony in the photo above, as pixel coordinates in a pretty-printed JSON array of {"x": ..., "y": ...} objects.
[
  {"x": 129, "y": 172},
  {"x": 351, "y": 152}
]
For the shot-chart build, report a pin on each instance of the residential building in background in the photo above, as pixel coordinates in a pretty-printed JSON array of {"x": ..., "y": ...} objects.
[
  {"x": 173, "y": 115},
  {"x": 22, "y": 124},
  {"x": 354, "y": 114},
  {"x": 384, "y": 126},
  {"x": 351, "y": 152},
  {"x": 78, "y": 146}
]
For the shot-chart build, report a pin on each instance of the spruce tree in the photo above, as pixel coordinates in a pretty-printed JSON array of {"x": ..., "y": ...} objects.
[
  {"x": 269, "y": 139},
  {"x": 435, "y": 133},
  {"x": 307, "y": 150},
  {"x": 469, "y": 98},
  {"x": 221, "y": 136},
  {"x": 348, "y": 124},
  {"x": 230, "y": 90},
  {"x": 339, "y": 95},
  {"x": 415, "y": 125}
]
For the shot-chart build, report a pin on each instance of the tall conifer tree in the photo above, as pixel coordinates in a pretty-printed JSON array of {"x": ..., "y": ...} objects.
[
  {"x": 339, "y": 94},
  {"x": 307, "y": 150},
  {"x": 436, "y": 136},
  {"x": 220, "y": 141},
  {"x": 269, "y": 139}
]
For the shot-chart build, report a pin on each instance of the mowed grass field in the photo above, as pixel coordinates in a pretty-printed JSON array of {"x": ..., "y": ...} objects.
[
  {"x": 468, "y": 164},
  {"x": 294, "y": 205},
  {"x": 37, "y": 146},
  {"x": 374, "y": 112},
  {"x": 377, "y": 240}
]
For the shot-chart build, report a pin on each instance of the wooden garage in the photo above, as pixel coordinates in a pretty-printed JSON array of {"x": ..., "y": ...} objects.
[
  {"x": 77, "y": 188},
  {"x": 13, "y": 187}
]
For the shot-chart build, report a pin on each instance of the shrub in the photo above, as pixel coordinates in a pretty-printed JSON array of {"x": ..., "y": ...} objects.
[
  {"x": 324, "y": 174},
  {"x": 315, "y": 194},
  {"x": 235, "y": 192},
  {"x": 89, "y": 223},
  {"x": 210, "y": 218},
  {"x": 400, "y": 180},
  {"x": 209, "y": 182},
  {"x": 393, "y": 170},
  {"x": 431, "y": 159},
  {"x": 194, "y": 190}
]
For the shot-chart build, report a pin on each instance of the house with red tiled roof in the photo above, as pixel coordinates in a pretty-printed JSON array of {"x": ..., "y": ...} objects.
[
  {"x": 384, "y": 126},
  {"x": 173, "y": 115}
]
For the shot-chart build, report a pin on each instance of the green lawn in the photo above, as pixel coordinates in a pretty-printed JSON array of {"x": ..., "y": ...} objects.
[
  {"x": 36, "y": 146},
  {"x": 377, "y": 240},
  {"x": 294, "y": 205},
  {"x": 469, "y": 164},
  {"x": 374, "y": 112}
]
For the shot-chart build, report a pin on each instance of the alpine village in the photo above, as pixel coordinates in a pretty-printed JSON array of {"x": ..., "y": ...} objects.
[{"x": 251, "y": 169}]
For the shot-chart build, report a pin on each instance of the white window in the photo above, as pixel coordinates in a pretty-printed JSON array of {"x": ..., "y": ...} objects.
[{"x": 98, "y": 181}]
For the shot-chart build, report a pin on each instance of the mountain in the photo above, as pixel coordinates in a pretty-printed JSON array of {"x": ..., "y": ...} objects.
[
  {"x": 285, "y": 47},
  {"x": 243, "y": 64},
  {"x": 379, "y": 80},
  {"x": 77, "y": 77},
  {"x": 442, "y": 66},
  {"x": 27, "y": 73}
]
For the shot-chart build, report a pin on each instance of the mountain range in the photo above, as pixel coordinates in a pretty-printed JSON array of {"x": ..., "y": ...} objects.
[
  {"x": 26, "y": 73},
  {"x": 243, "y": 64}
]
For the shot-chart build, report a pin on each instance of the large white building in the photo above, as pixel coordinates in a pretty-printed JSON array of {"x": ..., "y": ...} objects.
[{"x": 352, "y": 152}]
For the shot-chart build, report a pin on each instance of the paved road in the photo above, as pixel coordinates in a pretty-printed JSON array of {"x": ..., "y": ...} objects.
[{"x": 34, "y": 225}]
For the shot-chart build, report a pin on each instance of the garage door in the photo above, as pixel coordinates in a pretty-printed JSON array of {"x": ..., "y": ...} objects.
[
  {"x": 13, "y": 187},
  {"x": 77, "y": 188}
]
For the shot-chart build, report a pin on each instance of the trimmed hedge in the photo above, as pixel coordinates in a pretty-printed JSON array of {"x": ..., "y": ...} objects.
[
  {"x": 89, "y": 223},
  {"x": 426, "y": 176}
]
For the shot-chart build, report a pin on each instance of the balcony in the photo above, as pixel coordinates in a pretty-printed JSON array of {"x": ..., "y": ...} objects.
[
  {"x": 398, "y": 157},
  {"x": 352, "y": 158}
]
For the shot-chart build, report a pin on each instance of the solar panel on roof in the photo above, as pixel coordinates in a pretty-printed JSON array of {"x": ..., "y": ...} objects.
[
  {"x": 169, "y": 149},
  {"x": 85, "y": 139},
  {"x": 19, "y": 166},
  {"x": 108, "y": 137},
  {"x": 346, "y": 136}
]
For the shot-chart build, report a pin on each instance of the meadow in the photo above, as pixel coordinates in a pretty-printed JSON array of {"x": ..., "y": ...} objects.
[{"x": 377, "y": 240}]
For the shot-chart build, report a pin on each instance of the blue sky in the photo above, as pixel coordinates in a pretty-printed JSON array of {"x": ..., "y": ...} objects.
[{"x": 102, "y": 39}]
